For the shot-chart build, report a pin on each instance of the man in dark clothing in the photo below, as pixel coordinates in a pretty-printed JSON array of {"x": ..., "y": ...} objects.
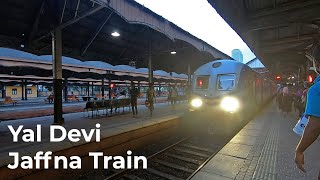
[
  {"x": 134, "y": 93},
  {"x": 173, "y": 95}
]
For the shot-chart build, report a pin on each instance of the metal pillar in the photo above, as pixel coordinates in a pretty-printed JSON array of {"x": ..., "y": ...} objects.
[
  {"x": 88, "y": 89},
  {"x": 65, "y": 89},
  {"x": 109, "y": 87},
  {"x": 102, "y": 88},
  {"x": 25, "y": 90},
  {"x": 37, "y": 90},
  {"x": 22, "y": 89},
  {"x": 92, "y": 89},
  {"x": 150, "y": 71},
  {"x": 3, "y": 91},
  {"x": 57, "y": 75},
  {"x": 189, "y": 75}
]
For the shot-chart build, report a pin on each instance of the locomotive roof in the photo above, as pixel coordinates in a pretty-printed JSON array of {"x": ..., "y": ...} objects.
[{"x": 230, "y": 64}]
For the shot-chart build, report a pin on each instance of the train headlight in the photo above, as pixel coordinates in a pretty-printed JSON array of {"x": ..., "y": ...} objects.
[
  {"x": 230, "y": 104},
  {"x": 197, "y": 102}
]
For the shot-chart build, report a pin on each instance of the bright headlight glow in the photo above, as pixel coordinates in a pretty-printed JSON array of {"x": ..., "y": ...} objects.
[
  {"x": 196, "y": 102},
  {"x": 230, "y": 104}
]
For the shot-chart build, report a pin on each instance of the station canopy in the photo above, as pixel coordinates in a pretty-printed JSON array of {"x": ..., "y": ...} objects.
[
  {"x": 280, "y": 32},
  {"x": 118, "y": 32},
  {"x": 18, "y": 65}
]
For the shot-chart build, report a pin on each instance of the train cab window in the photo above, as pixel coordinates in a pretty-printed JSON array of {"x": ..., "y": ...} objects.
[
  {"x": 226, "y": 82},
  {"x": 202, "y": 82}
]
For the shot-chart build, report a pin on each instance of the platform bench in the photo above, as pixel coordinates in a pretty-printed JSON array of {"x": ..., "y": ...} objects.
[
  {"x": 95, "y": 106},
  {"x": 8, "y": 100}
]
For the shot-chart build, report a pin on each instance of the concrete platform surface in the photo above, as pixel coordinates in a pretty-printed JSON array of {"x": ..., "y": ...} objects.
[
  {"x": 263, "y": 149},
  {"x": 110, "y": 126},
  {"x": 35, "y": 109}
]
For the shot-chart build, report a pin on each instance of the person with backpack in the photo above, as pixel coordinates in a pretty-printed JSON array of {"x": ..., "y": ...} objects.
[{"x": 134, "y": 94}]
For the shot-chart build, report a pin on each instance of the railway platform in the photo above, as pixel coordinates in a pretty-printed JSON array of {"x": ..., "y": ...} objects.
[
  {"x": 263, "y": 149},
  {"x": 36, "y": 108},
  {"x": 111, "y": 127}
]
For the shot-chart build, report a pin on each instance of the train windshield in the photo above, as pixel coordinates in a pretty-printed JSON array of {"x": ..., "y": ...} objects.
[
  {"x": 203, "y": 82},
  {"x": 226, "y": 82}
]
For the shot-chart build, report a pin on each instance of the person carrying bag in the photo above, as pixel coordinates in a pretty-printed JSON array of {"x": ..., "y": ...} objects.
[{"x": 151, "y": 97}]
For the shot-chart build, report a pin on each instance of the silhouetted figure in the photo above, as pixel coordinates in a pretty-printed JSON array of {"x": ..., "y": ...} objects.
[
  {"x": 151, "y": 98},
  {"x": 173, "y": 93},
  {"x": 134, "y": 94},
  {"x": 286, "y": 104}
]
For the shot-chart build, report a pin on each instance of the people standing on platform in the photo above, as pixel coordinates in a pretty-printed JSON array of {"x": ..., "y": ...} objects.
[
  {"x": 279, "y": 97},
  {"x": 173, "y": 93},
  {"x": 286, "y": 100},
  {"x": 298, "y": 101},
  {"x": 134, "y": 94},
  {"x": 51, "y": 98},
  {"x": 151, "y": 98},
  {"x": 312, "y": 130}
]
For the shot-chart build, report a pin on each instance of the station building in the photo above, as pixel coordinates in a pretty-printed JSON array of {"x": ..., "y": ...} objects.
[{"x": 16, "y": 91}]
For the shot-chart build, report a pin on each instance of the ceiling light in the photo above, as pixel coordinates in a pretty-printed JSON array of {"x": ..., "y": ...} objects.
[
  {"x": 115, "y": 34},
  {"x": 173, "y": 52}
]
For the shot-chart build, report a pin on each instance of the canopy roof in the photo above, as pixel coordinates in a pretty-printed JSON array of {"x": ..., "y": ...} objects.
[
  {"x": 279, "y": 31},
  {"x": 18, "y": 63},
  {"x": 86, "y": 33}
]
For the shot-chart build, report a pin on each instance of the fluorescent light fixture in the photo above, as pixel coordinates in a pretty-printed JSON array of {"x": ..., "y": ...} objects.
[
  {"x": 173, "y": 52},
  {"x": 115, "y": 34}
]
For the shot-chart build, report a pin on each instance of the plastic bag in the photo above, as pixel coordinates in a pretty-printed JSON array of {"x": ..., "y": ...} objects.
[
  {"x": 301, "y": 124},
  {"x": 147, "y": 103}
]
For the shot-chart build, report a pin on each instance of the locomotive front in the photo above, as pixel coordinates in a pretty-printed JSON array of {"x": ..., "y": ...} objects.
[{"x": 214, "y": 88}]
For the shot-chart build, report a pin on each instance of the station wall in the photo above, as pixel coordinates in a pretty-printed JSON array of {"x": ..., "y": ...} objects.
[{"x": 16, "y": 91}]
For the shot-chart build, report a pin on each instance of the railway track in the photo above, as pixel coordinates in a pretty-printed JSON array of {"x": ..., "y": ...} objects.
[{"x": 179, "y": 161}]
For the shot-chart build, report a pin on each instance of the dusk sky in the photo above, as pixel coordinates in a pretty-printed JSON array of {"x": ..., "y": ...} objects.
[{"x": 200, "y": 19}]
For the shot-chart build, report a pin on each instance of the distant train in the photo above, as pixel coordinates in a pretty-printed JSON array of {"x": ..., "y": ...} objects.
[{"x": 229, "y": 88}]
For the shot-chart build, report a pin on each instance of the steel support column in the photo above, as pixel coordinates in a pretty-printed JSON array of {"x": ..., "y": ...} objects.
[
  {"x": 189, "y": 75},
  {"x": 3, "y": 91},
  {"x": 102, "y": 88},
  {"x": 25, "y": 90},
  {"x": 88, "y": 89},
  {"x": 92, "y": 89},
  {"x": 109, "y": 87},
  {"x": 65, "y": 89},
  {"x": 57, "y": 75},
  {"x": 22, "y": 89},
  {"x": 150, "y": 70}
]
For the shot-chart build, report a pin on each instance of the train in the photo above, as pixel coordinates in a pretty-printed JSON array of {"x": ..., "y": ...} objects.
[{"x": 227, "y": 89}]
